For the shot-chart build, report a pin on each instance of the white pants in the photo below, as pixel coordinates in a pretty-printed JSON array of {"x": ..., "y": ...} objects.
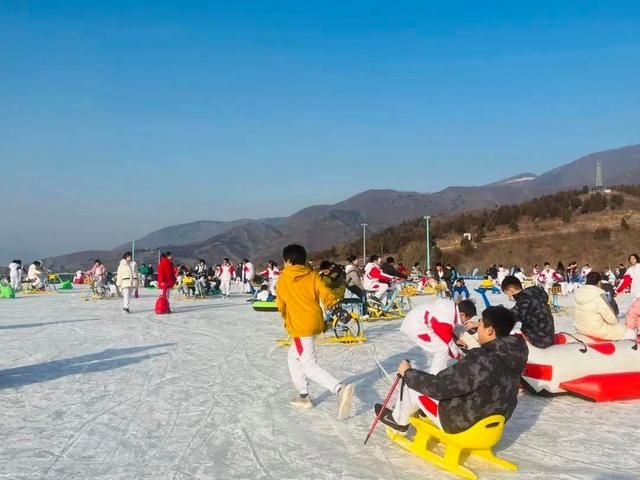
[
  {"x": 413, "y": 401},
  {"x": 15, "y": 282},
  {"x": 439, "y": 352},
  {"x": 225, "y": 287},
  {"x": 379, "y": 290},
  {"x": 272, "y": 286},
  {"x": 127, "y": 293},
  {"x": 303, "y": 366}
]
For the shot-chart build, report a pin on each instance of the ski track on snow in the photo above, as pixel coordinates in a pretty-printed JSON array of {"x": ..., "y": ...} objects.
[{"x": 203, "y": 394}]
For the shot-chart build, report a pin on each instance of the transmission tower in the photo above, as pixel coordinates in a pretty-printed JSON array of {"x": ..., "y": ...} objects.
[{"x": 599, "y": 183}]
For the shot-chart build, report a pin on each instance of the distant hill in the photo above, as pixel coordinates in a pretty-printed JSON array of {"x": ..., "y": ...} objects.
[
  {"x": 617, "y": 165},
  {"x": 187, "y": 233},
  {"x": 321, "y": 226},
  {"x": 599, "y": 229}
]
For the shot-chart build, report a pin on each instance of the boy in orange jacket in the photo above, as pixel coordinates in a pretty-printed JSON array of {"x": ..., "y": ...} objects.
[{"x": 300, "y": 291}]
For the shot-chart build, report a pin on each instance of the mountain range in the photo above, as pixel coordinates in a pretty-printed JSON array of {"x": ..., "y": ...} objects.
[{"x": 321, "y": 226}]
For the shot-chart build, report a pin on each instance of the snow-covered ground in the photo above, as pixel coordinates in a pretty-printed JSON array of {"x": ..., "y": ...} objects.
[{"x": 87, "y": 392}]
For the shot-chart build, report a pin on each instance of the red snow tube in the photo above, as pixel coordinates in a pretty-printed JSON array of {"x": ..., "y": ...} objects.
[
  {"x": 606, "y": 388},
  {"x": 162, "y": 304}
]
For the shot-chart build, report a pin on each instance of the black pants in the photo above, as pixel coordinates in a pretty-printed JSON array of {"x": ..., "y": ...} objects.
[{"x": 361, "y": 294}]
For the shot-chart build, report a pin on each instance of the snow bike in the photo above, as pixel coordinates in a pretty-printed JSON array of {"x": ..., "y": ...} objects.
[
  {"x": 409, "y": 289},
  {"x": 98, "y": 291},
  {"x": 396, "y": 307},
  {"x": 348, "y": 333},
  {"x": 191, "y": 289},
  {"x": 554, "y": 300}
]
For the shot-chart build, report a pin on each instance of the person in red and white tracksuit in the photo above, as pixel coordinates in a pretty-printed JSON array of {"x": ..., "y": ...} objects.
[
  {"x": 431, "y": 326},
  {"x": 548, "y": 276},
  {"x": 227, "y": 273},
  {"x": 271, "y": 273},
  {"x": 375, "y": 280},
  {"x": 631, "y": 278}
]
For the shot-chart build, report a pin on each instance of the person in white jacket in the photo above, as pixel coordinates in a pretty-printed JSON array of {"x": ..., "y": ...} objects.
[
  {"x": 548, "y": 277},
  {"x": 375, "y": 280},
  {"x": 36, "y": 275},
  {"x": 248, "y": 274},
  {"x": 432, "y": 327},
  {"x": 593, "y": 314},
  {"x": 227, "y": 273},
  {"x": 631, "y": 279},
  {"x": 127, "y": 280},
  {"x": 15, "y": 274},
  {"x": 271, "y": 273}
]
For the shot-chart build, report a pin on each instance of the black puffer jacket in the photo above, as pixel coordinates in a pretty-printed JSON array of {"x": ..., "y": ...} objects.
[
  {"x": 533, "y": 312},
  {"x": 485, "y": 382}
]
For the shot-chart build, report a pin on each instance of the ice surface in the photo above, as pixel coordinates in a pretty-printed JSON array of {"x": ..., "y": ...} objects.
[{"x": 87, "y": 392}]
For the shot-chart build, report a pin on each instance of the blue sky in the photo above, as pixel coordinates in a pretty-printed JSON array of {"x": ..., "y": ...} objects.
[{"x": 120, "y": 117}]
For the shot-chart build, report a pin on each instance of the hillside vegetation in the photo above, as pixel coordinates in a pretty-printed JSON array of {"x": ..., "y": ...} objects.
[{"x": 596, "y": 228}]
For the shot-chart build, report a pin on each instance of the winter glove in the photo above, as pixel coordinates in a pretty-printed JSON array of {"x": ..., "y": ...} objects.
[{"x": 342, "y": 315}]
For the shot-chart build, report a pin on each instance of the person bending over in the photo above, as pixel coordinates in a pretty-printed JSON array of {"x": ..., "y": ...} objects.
[{"x": 431, "y": 326}]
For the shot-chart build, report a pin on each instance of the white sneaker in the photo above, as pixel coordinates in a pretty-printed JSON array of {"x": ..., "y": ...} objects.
[
  {"x": 301, "y": 402},
  {"x": 345, "y": 401}
]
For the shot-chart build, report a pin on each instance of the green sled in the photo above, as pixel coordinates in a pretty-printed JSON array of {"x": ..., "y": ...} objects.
[{"x": 265, "y": 306}]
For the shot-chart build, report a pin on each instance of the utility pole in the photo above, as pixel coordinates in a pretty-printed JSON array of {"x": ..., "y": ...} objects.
[
  {"x": 364, "y": 242},
  {"x": 428, "y": 235}
]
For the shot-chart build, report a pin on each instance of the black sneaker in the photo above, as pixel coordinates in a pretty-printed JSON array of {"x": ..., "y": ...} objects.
[
  {"x": 387, "y": 419},
  {"x": 126, "y": 310}
]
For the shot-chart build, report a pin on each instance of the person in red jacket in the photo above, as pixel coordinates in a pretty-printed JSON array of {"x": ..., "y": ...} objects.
[{"x": 166, "y": 273}]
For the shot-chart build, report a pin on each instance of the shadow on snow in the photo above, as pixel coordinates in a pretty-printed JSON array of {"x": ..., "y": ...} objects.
[
  {"x": 44, "y": 324},
  {"x": 90, "y": 363}
]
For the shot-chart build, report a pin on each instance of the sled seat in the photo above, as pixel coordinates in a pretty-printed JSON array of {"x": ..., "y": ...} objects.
[{"x": 477, "y": 440}]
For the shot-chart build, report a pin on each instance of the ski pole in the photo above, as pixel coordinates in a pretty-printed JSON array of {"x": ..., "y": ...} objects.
[{"x": 384, "y": 405}]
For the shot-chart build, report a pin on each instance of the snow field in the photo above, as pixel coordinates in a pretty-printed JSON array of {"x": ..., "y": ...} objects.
[{"x": 87, "y": 392}]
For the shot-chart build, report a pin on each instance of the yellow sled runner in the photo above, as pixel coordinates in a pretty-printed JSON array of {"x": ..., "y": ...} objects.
[{"x": 477, "y": 440}]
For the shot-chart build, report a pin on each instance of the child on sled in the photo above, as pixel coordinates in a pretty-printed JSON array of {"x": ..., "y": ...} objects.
[{"x": 483, "y": 383}]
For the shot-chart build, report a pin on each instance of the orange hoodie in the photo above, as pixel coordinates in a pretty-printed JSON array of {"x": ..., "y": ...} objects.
[{"x": 300, "y": 291}]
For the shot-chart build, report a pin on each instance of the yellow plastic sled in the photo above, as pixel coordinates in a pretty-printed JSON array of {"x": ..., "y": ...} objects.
[{"x": 477, "y": 440}]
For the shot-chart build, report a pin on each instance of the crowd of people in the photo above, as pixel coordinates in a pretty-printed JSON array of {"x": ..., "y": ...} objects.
[
  {"x": 489, "y": 351},
  {"x": 475, "y": 359}
]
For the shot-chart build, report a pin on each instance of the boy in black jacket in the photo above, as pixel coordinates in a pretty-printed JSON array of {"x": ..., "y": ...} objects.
[
  {"x": 532, "y": 311},
  {"x": 484, "y": 383}
]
